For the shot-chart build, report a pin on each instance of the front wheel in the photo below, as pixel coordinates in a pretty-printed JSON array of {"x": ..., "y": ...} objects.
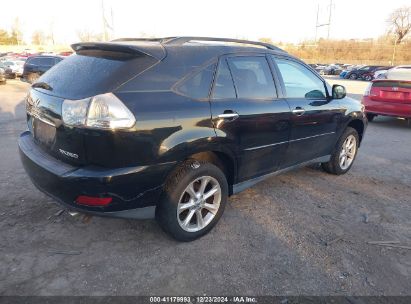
[
  {"x": 353, "y": 76},
  {"x": 193, "y": 201},
  {"x": 368, "y": 78},
  {"x": 344, "y": 153}
]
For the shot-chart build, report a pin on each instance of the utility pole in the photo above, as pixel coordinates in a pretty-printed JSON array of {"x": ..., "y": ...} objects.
[
  {"x": 104, "y": 21},
  {"x": 329, "y": 19},
  {"x": 317, "y": 25}
]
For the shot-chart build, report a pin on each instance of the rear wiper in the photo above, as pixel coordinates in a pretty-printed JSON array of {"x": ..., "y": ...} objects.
[{"x": 42, "y": 85}]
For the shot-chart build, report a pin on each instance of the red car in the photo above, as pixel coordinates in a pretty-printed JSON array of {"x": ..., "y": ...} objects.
[{"x": 389, "y": 98}]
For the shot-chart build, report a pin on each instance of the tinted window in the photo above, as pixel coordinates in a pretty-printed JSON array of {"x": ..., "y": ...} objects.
[
  {"x": 198, "y": 86},
  {"x": 42, "y": 61},
  {"x": 299, "y": 81},
  {"x": 81, "y": 76},
  {"x": 223, "y": 85},
  {"x": 252, "y": 77}
]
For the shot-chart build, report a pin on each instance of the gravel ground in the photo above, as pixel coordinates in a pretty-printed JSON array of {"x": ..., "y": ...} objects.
[{"x": 301, "y": 233}]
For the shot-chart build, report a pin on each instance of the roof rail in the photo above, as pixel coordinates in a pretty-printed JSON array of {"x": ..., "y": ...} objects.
[
  {"x": 181, "y": 40},
  {"x": 137, "y": 39}
]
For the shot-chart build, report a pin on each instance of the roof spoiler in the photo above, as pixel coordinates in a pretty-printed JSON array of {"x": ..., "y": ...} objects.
[{"x": 148, "y": 49}]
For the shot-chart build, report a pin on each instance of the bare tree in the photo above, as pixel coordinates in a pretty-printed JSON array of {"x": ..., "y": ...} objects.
[
  {"x": 16, "y": 34},
  {"x": 38, "y": 38},
  {"x": 87, "y": 35},
  {"x": 400, "y": 23},
  {"x": 51, "y": 32}
]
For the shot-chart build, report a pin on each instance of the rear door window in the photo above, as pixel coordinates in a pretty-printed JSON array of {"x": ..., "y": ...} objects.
[
  {"x": 299, "y": 81},
  {"x": 223, "y": 84},
  {"x": 252, "y": 77}
]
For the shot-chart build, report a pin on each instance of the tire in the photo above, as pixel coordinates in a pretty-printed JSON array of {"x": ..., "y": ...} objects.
[
  {"x": 31, "y": 78},
  {"x": 368, "y": 78},
  {"x": 180, "y": 207},
  {"x": 353, "y": 76},
  {"x": 370, "y": 117},
  {"x": 336, "y": 165}
]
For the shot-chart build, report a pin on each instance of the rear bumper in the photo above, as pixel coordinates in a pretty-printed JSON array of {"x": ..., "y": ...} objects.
[
  {"x": 396, "y": 109},
  {"x": 135, "y": 190}
]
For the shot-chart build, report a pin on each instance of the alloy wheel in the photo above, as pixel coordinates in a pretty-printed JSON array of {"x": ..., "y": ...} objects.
[
  {"x": 199, "y": 204},
  {"x": 348, "y": 150}
]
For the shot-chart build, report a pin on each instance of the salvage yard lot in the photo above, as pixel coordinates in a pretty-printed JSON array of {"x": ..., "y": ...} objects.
[{"x": 302, "y": 233}]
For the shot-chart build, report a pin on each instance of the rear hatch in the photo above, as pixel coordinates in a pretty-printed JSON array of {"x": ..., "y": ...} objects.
[
  {"x": 96, "y": 68},
  {"x": 394, "y": 91}
]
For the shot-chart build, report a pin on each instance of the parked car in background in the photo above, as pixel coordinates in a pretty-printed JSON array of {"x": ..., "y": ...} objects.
[
  {"x": 358, "y": 73},
  {"x": 16, "y": 66},
  {"x": 381, "y": 74},
  {"x": 401, "y": 72},
  {"x": 348, "y": 69},
  {"x": 7, "y": 70},
  {"x": 332, "y": 69},
  {"x": 389, "y": 98},
  {"x": 370, "y": 75},
  {"x": 169, "y": 128},
  {"x": 36, "y": 66},
  {"x": 66, "y": 53},
  {"x": 2, "y": 76},
  {"x": 318, "y": 67}
]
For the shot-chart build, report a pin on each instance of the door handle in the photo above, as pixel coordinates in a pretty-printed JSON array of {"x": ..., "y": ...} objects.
[
  {"x": 228, "y": 115},
  {"x": 298, "y": 111}
]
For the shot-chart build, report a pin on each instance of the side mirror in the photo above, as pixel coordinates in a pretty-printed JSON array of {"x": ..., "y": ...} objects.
[{"x": 338, "y": 91}]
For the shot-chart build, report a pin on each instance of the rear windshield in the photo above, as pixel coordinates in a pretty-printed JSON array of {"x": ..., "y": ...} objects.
[
  {"x": 81, "y": 76},
  {"x": 391, "y": 84}
]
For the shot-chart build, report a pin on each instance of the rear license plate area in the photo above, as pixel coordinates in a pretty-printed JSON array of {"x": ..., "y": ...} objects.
[
  {"x": 44, "y": 133},
  {"x": 392, "y": 95}
]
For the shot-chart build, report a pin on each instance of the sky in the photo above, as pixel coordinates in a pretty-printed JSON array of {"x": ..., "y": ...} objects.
[{"x": 285, "y": 21}]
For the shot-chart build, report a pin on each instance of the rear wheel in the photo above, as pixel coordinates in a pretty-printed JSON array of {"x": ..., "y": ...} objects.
[
  {"x": 193, "y": 201},
  {"x": 370, "y": 116},
  {"x": 344, "y": 153},
  {"x": 353, "y": 76},
  {"x": 368, "y": 77}
]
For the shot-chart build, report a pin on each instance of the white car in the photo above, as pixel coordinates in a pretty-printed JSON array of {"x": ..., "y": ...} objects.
[
  {"x": 401, "y": 72},
  {"x": 16, "y": 66},
  {"x": 380, "y": 74}
]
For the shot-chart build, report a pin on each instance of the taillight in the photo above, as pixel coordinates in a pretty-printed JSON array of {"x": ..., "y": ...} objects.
[
  {"x": 368, "y": 89},
  {"x": 93, "y": 201},
  {"x": 103, "y": 111}
]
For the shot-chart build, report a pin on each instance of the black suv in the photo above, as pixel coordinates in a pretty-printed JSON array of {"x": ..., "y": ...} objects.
[
  {"x": 169, "y": 128},
  {"x": 36, "y": 66}
]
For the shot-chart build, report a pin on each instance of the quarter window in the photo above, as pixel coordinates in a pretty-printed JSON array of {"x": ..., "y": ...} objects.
[
  {"x": 198, "y": 86},
  {"x": 252, "y": 77},
  {"x": 223, "y": 85},
  {"x": 299, "y": 81}
]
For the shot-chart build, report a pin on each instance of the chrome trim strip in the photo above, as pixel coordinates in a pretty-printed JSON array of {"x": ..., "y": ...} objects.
[
  {"x": 284, "y": 142},
  {"x": 298, "y": 139},
  {"x": 265, "y": 146}
]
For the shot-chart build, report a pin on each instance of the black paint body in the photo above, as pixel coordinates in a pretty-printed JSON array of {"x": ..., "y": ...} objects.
[{"x": 132, "y": 165}]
